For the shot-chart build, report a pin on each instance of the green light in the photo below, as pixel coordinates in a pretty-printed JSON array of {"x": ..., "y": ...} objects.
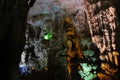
[
  {"x": 88, "y": 53},
  {"x": 48, "y": 36},
  {"x": 88, "y": 72}
]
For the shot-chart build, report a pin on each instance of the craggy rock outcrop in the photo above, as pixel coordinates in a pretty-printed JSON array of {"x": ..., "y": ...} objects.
[
  {"x": 103, "y": 23},
  {"x": 47, "y": 17},
  {"x": 50, "y": 15},
  {"x": 74, "y": 52}
]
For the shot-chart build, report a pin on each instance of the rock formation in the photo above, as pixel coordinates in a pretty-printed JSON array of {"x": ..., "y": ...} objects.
[{"x": 103, "y": 24}]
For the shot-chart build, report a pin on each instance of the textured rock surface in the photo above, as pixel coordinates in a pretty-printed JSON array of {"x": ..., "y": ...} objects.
[
  {"x": 102, "y": 20},
  {"x": 99, "y": 17}
]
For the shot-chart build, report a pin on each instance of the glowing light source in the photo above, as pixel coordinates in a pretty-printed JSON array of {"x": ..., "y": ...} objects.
[
  {"x": 48, "y": 36},
  {"x": 88, "y": 72}
]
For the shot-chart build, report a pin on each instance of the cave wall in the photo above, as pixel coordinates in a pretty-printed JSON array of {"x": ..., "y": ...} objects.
[
  {"x": 96, "y": 28},
  {"x": 49, "y": 16},
  {"x": 103, "y": 22},
  {"x": 13, "y": 16}
]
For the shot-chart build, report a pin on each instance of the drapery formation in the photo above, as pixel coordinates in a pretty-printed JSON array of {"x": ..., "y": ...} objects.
[
  {"x": 74, "y": 52},
  {"x": 103, "y": 23}
]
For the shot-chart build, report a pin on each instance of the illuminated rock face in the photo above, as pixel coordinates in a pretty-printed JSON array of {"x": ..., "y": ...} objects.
[
  {"x": 102, "y": 20},
  {"x": 74, "y": 52},
  {"x": 55, "y": 11},
  {"x": 45, "y": 6}
]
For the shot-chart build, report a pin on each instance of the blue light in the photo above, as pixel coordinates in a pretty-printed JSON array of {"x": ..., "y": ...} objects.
[{"x": 24, "y": 70}]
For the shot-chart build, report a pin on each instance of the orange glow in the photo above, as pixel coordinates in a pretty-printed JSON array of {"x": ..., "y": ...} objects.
[
  {"x": 46, "y": 68},
  {"x": 33, "y": 68},
  {"x": 68, "y": 20},
  {"x": 72, "y": 44}
]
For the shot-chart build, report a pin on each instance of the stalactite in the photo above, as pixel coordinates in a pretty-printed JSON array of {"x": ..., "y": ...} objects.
[
  {"x": 102, "y": 28},
  {"x": 74, "y": 52}
]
